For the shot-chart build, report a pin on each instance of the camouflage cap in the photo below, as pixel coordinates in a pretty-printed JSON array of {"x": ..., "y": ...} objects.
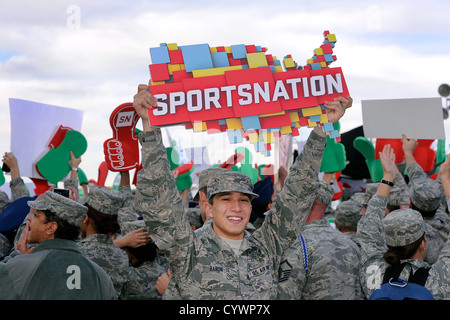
[
  {"x": 65, "y": 208},
  {"x": 105, "y": 200},
  {"x": 204, "y": 176},
  {"x": 394, "y": 194},
  {"x": 230, "y": 181},
  {"x": 402, "y": 227},
  {"x": 425, "y": 194},
  {"x": 325, "y": 192},
  {"x": 130, "y": 226},
  {"x": 348, "y": 213},
  {"x": 194, "y": 216},
  {"x": 358, "y": 197}
]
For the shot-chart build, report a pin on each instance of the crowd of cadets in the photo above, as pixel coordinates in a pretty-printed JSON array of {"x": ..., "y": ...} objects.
[{"x": 235, "y": 241}]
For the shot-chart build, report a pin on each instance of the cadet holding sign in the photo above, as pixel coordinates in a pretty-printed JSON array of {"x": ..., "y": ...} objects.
[{"x": 222, "y": 261}]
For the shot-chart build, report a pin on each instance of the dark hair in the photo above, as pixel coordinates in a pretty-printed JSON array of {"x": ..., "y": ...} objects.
[
  {"x": 144, "y": 253},
  {"x": 425, "y": 214},
  {"x": 392, "y": 207},
  {"x": 395, "y": 254},
  {"x": 103, "y": 223},
  {"x": 65, "y": 230}
]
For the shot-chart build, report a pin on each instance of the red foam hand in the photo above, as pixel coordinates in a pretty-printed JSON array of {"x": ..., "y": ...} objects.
[{"x": 122, "y": 150}]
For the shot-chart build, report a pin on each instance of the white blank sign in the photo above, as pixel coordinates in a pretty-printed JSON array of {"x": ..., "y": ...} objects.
[{"x": 420, "y": 118}]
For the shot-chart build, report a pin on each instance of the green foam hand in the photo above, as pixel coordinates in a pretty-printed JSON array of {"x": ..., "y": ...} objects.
[
  {"x": 368, "y": 151},
  {"x": 246, "y": 165},
  {"x": 334, "y": 158},
  {"x": 54, "y": 165},
  {"x": 2, "y": 177},
  {"x": 184, "y": 181}
]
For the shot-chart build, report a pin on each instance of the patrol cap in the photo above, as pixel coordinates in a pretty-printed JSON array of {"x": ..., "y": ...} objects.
[
  {"x": 194, "y": 216},
  {"x": 325, "y": 192},
  {"x": 402, "y": 227},
  {"x": 204, "y": 176},
  {"x": 358, "y": 197},
  {"x": 130, "y": 226},
  {"x": 230, "y": 181},
  {"x": 394, "y": 194},
  {"x": 348, "y": 213},
  {"x": 104, "y": 200},
  {"x": 425, "y": 193},
  {"x": 71, "y": 211}
]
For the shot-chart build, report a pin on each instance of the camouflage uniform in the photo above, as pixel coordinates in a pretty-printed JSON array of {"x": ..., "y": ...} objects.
[
  {"x": 141, "y": 284},
  {"x": 51, "y": 269},
  {"x": 100, "y": 248},
  {"x": 426, "y": 194},
  {"x": 402, "y": 227},
  {"x": 18, "y": 190},
  {"x": 202, "y": 264},
  {"x": 348, "y": 215},
  {"x": 322, "y": 263}
]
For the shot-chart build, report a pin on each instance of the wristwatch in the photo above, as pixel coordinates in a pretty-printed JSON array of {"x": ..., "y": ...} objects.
[{"x": 389, "y": 183}]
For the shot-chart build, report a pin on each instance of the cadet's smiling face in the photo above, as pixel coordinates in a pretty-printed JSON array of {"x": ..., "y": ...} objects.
[{"x": 230, "y": 214}]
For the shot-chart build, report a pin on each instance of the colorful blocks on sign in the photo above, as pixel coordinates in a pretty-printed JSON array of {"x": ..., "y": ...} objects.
[
  {"x": 176, "y": 56},
  {"x": 159, "y": 72},
  {"x": 196, "y": 57},
  {"x": 250, "y": 123},
  {"x": 239, "y": 51},
  {"x": 261, "y": 101},
  {"x": 235, "y": 136},
  {"x": 307, "y": 112},
  {"x": 160, "y": 55},
  {"x": 257, "y": 59},
  {"x": 234, "y": 123},
  {"x": 220, "y": 59}
]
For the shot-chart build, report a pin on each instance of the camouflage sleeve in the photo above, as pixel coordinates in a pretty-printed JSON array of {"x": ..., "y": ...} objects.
[
  {"x": 437, "y": 281},
  {"x": 370, "y": 232},
  {"x": 291, "y": 207},
  {"x": 415, "y": 171},
  {"x": 18, "y": 189},
  {"x": 400, "y": 182},
  {"x": 73, "y": 183},
  {"x": 158, "y": 199}
]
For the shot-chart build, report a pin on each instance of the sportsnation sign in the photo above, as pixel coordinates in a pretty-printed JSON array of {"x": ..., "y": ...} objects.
[{"x": 243, "y": 90}]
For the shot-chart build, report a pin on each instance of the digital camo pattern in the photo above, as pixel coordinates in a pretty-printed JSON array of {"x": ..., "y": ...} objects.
[
  {"x": 329, "y": 271},
  {"x": 204, "y": 266},
  {"x": 394, "y": 195},
  {"x": 105, "y": 200},
  {"x": 371, "y": 237},
  {"x": 348, "y": 213},
  {"x": 425, "y": 193},
  {"x": 141, "y": 284},
  {"x": 18, "y": 190},
  {"x": 402, "y": 227},
  {"x": 228, "y": 181},
  {"x": 400, "y": 182},
  {"x": 101, "y": 249},
  {"x": 65, "y": 208}
]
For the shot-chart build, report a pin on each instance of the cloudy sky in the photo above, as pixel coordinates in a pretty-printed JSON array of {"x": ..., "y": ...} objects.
[{"x": 91, "y": 55}]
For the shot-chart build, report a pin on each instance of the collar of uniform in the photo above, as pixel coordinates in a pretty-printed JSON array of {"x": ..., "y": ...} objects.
[
  {"x": 60, "y": 244},
  {"x": 99, "y": 238},
  {"x": 218, "y": 244},
  {"x": 321, "y": 223}
]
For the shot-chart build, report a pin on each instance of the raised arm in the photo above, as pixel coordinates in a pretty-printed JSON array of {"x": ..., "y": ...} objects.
[
  {"x": 158, "y": 199},
  {"x": 370, "y": 232},
  {"x": 291, "y": 207}
]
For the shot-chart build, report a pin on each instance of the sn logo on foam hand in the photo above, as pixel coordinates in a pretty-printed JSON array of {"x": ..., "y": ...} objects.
[{"x": 122, "y": 150}]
